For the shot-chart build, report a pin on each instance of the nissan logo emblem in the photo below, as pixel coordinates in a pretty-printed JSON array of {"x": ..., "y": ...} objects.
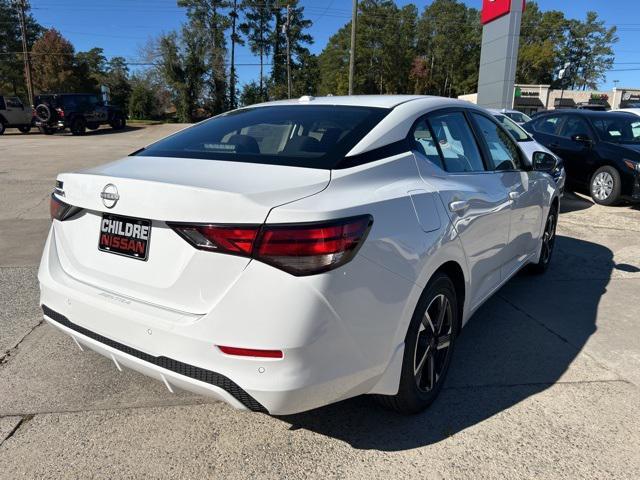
[{"x": 109, "y": 195}]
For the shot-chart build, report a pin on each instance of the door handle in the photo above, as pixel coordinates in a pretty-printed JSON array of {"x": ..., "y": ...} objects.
[
  {"x": 514, "y": 195},
  {"x": 554, "y": 145},
  {"x": 458, "y": 206}
]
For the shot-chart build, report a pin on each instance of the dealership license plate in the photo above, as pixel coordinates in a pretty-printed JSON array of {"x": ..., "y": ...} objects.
[{"x": 125, "y": 236}]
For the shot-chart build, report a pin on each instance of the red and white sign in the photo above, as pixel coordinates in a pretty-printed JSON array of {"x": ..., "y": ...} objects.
[{"x": 492, "y": 9}]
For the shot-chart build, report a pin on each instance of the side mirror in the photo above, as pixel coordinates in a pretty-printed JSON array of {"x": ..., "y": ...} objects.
[
  {"x": 581, "y": 138},
  {"x": 544, "y": 162}
]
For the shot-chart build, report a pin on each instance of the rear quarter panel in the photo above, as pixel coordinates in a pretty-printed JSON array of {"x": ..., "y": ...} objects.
[{"x": 375, "y": 295}]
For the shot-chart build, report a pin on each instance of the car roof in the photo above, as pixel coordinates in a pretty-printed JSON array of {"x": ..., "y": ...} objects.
[
  {"x": 379, "y": 101},
  {"x": 635, "y": 111},
  {"x": 63, "y": 94},
  {"x": 584, "y": 112}
]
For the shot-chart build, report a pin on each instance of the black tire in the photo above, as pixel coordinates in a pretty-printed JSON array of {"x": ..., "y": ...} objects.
[
  {"x": 605, "y": 186},
  {"x": 93, "y": 126},
  {"x": 78, "y": 126},
  {"x": 548, "y": 243},
  {"x": 417, "y": 391},
  {"x": 47, "y": 130},
  {"x": 2, "y": 127},
  {"x": 118, "y": 122},
  {"x": 44, "y": 113},
  {"x": 25, "y": 128}
]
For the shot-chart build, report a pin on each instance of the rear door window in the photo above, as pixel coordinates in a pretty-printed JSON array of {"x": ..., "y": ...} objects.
[
  {"x": 424, "y": 143},
  {"x": 548, "y": 124},
  {"x": 503, "y": 151},
  {"x": 455, "y": 139},
  {"x": 312, "y": 136},
  {"x": 573, "y": 126}
]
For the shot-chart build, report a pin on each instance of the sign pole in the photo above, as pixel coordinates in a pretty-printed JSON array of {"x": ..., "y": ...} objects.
[{"x": 499, "y": 55}]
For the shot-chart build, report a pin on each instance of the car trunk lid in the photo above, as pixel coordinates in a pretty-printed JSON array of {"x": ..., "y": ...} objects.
[{"x": 175, "y": 275}]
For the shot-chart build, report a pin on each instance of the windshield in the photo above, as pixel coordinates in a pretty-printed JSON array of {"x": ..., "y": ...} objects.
[
  {"x": 517, "y": 117},
  {"x": 516, "y": 131},
  {"x": 313, "y": 136},
  {"x": 618, "y": 129}
]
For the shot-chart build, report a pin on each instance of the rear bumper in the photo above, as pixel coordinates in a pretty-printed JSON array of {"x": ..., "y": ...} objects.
[
  {"x": 337, "y": 341},
  {"x": 55, "y": 124},
  {"x": 171, "y": 372}
]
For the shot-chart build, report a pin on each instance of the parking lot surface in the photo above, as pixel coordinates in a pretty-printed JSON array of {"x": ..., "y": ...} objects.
[{"x": 544, "y": 384}]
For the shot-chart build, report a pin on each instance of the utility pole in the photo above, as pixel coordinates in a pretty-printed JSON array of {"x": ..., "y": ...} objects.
[
  {"x": 232, "y": 73},
  {"x": 352, "y": 52},
  {"x": 287, "y": 27},
  {"x": 27, "y": 61}
]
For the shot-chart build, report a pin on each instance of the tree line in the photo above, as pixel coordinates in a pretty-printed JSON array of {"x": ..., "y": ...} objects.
[{"x": 192, "y": 71}]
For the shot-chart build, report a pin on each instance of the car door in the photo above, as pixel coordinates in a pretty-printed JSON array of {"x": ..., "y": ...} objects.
[
  {"x": 15, "y": 111},
  {"x": 546, "y": 129},
  {"x": 578, "y": 155},
  {"x": 524, "y": 188},
  {"x": 98, "y": 110},
  {"x": 475, "y": 199}
]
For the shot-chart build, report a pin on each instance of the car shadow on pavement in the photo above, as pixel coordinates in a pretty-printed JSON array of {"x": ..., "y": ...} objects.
[
  {"x": 521, "y": 342},
  {"x": 105, "y": 131},
  {"x": 573, "y": 203}
]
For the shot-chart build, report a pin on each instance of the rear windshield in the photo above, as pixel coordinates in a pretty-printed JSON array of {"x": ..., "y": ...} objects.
[{"x": 313, "y": 136}]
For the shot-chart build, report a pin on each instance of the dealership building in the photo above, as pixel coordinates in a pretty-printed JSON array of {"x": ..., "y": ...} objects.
[{"x": 533, "y": 98}]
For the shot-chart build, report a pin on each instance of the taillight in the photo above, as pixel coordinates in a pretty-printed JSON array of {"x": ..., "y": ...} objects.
[
  {"x": 300, "y": 249},
  {"x": 217, "y": 238},
  {"x": 60, "y": 210},
  {"x": 313, "y": 248},
  {"x": 60, "y": 112}
]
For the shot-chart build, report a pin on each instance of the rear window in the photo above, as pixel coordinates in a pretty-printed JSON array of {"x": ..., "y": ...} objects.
[{"x": 313, "y": 136}]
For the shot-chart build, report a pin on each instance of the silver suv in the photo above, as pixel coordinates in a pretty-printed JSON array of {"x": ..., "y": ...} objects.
[{"x": 14, "y": 114}]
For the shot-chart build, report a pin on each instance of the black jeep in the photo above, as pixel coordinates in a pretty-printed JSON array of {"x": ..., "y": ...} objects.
[{"x": 76, "y": 111}]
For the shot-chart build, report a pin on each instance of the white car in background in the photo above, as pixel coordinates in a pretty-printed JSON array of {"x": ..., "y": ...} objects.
[
  {"x": 518, "y": 117},
  {"x": 529, "y": 146},
  {"x": 635, "y": 111},
  {"x": 292, "y": 254}
]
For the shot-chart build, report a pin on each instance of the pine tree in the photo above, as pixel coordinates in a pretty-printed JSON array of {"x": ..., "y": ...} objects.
[
  {"x": 295, "y": 32},
  {"x": 258, "y": 16},
  {"x": 12, "y": 75},
  {"x": 208, "y": 19}
]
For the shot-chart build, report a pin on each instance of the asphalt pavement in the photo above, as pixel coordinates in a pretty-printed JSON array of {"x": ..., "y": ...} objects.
[{"x": 544, "y": 383}]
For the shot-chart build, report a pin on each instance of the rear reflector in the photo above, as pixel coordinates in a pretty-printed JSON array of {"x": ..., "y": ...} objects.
[
  {"x": 250, "y": 352},
  {"x": 300, "y": 249}
]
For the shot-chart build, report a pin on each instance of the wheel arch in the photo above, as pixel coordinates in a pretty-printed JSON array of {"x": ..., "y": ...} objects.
[
  {"x": 389, "y": 381},
  {"x": 454, "y": 271}
]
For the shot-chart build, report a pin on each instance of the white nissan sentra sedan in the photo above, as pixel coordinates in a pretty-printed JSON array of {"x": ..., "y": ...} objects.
[{"x": 292, "y": 254}]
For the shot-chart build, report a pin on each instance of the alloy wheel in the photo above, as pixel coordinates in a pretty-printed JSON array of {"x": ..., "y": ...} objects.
[
  {"x": 548, "y": 238},
  {"x": 433, "y": 345},
  {"x": 602, "y": 185}
]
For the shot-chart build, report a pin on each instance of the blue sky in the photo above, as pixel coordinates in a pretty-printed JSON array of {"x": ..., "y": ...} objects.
[{"x": 121, "y": 27}]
